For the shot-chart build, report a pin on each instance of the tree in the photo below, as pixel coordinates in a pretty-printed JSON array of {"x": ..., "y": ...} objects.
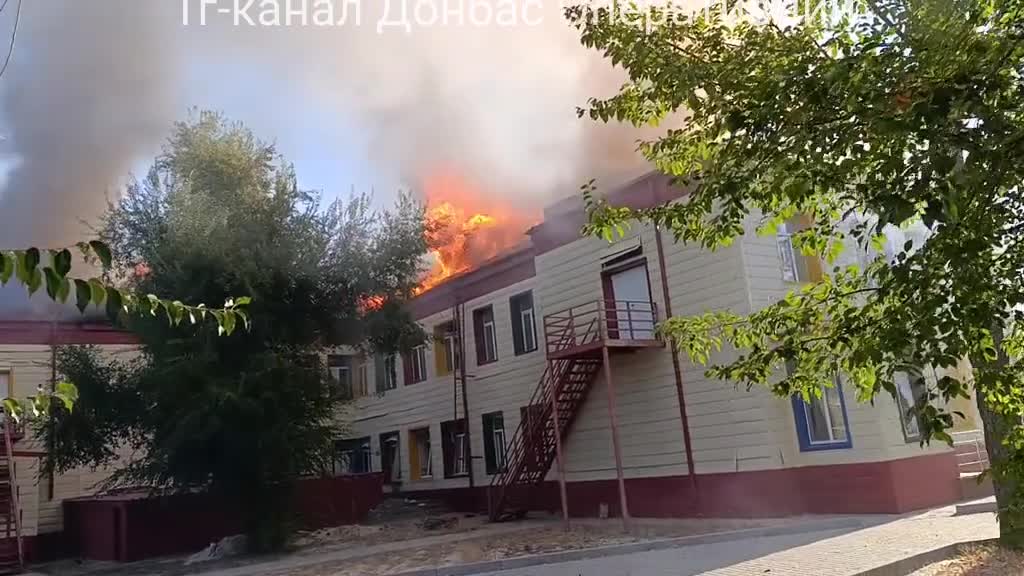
[
  {"x": 28, "y": 267},
  {"x": 892, "y": 112},
  {"x": 220, "y": 213}
]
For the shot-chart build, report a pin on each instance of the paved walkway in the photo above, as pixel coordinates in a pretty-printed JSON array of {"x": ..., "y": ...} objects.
[{"x": 829, "y": 553}]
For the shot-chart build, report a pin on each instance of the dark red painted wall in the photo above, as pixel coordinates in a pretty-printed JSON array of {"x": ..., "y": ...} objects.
[
  {"x": 129, "y": 528},
  {"x": 862, "y": 488}
]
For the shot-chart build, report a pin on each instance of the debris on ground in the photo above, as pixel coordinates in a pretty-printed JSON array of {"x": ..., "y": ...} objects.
[
  {"x": 439, "y": 523},
  {"x": 226, "y": 547},
  {"x": 978, "y": 560}
]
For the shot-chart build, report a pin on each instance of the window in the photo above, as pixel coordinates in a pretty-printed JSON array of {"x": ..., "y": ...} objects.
[
  {"x": 416, "y": 365},
  {"x": 419, "y": 454},
  {"x": 796, "y": 267},
  {"x": 494, "y": 442},
  {"x": 389, "y": 457},
  {"x": 340, "y": 369},
  {"x": 454, "y": 448},
  {"x": 627, "y": 293},
  {"x": 524, "y": 325},
  {"x": 821, "y": 423},
  {"x": 446, "y": 349},
  {"x": 910, "y": 394},
  {"x": 387, "y": 372},
  {"x": 5, "y": 383},
  {"x": 486, "y": 338},
  {"x": 353, "y": 456},
  {"x": 361, "y": 384}
]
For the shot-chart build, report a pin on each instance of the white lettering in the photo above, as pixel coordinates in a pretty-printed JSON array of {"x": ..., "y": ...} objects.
[
  {"x": 417, "y": 13},
  {"x": 475, "y": 7},
  {"x": 459, "y": 10},
  {"x": 404, "y": 21},
  {"x": 526, "y": 12},
  {"x": 242, "y": 12},
  {"x": 357, "y": 4},
  {"x": 202, "y": 10},
  {"x": 323, "y": 13},
  {"x": 505, "y": 15},
  {"x": 301, "y": 11},
  {"x": 270, "y": 13}
]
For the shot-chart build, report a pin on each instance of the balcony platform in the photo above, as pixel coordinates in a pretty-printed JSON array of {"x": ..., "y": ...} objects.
[{"x": 584, "y": 331}]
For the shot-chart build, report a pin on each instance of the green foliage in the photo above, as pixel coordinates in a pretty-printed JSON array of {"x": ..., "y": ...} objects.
[
  {"x": 28, "y": 268},
  {"x": 220, "y": 213},
  {"x": 895, "y": 112}
]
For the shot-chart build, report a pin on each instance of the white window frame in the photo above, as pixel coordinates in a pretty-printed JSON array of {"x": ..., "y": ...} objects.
[
  {"x": 904, "y": 383},
  {"x": 451, "y": 353},
  {"x": 459, "y": 467},
  {"x": 6, "y": 378},
  {"x": 787, "y": 255},
  {"x": 418, "y": 357},
  {"x": 827, "y": 391},
  {"x": 391, "y": 372},
  {"x": 490, "y": 339},
  {"x": 499, "y": 446},
  {"x": 529, "y": 329},
  {"x": 363, "y": 382}
]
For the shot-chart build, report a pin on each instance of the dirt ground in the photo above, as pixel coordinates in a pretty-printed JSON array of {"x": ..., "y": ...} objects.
[
  {"x": 988, "y": 560},
  {"x": 467, "y": 538},
  {"x": 550, "y": 538}
]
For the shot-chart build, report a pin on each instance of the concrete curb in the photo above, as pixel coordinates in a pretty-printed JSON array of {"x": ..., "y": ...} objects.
[
  {"x": 631, "y": 548},
  {"x": 977, "y": 506},
  {"x": 909, "y": 564}
]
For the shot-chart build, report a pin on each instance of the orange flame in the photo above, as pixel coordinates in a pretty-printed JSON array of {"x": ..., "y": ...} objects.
[{"x": 466, "y": 228}]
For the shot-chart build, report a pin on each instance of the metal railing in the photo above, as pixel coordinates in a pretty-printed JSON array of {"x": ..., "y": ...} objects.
[{"x": 600, "y": 320}]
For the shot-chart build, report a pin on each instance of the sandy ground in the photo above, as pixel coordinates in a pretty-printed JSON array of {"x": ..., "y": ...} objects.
[
  {"x": 468, "y": 538},
  {"x": 553, "y": 538},
  {"x": 989, "y": 560}
]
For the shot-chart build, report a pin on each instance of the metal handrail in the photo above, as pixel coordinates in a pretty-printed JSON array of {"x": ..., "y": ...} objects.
[{"x": 601, "y": 319}]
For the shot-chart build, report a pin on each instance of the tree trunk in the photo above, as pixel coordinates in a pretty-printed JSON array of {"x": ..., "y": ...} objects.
[
  {"x": 1007, "y": 489},
  {"x": 1011, "y": 524}
]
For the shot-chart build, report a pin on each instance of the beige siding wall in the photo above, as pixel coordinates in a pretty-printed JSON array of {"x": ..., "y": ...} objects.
[
  {"x": 732, "y": 429},
  {"x": 503, "y": 386},
  {"x": 875, "y": 430},
  {"x": 30, "y": 366}
]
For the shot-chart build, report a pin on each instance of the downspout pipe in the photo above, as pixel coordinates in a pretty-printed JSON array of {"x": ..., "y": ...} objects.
[{"x": 684, "y": 419}]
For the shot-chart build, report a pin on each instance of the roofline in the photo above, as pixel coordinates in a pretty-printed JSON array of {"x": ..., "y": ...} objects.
[
  {"x": 557, "y": 229},
  {"x": 41, "y": 332}
]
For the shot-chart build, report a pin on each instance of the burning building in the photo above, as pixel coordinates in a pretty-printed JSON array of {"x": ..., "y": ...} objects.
[
  {"x": 466, "y": 227},
  {"x": 546, "y": 385}
]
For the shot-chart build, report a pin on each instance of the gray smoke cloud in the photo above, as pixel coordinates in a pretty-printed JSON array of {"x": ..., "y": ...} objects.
[{"x": 95, "y": 85}]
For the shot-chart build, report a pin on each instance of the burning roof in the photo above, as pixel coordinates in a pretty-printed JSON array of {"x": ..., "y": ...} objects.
[{"x": 466, "y": 227}]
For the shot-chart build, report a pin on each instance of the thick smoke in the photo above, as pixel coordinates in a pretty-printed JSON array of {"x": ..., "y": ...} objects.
[
  {"x": 497, "y": 103},
  {"x": 88, "y": 93},
  {"x": 95, "y": 85}
]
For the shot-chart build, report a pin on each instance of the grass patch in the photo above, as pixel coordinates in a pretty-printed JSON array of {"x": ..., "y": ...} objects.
[{"x": 979, "y": 560}]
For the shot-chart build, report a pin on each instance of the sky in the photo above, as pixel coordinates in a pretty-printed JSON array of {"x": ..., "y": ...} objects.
[{"x": 95, "y": 85}]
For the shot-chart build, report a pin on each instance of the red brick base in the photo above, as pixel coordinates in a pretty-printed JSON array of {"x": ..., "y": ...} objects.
[{"x": 889, "y": 487}]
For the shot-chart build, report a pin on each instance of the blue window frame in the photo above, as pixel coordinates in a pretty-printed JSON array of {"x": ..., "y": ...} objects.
[{"x": 822, "y": 424}]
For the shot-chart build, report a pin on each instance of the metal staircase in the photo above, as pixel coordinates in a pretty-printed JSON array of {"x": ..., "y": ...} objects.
[
  {"x": 11, "y": 545},
  {"x": 532, "y": 448},
  {"x": 577, "y": 342}
]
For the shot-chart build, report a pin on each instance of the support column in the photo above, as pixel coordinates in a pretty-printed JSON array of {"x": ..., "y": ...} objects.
[
  {"x": 555, "y": 385},
  {"x": 613, "y": 417}
]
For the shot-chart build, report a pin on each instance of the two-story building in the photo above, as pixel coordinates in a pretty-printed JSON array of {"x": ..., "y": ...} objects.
[{"x": 559, "y": 335}]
